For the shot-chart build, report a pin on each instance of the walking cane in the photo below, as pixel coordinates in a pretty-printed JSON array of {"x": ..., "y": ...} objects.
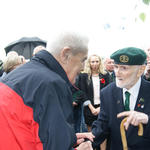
[{"x": 123, "y": 136}]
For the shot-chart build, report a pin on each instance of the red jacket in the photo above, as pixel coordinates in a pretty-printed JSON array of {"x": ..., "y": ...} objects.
[{"x": 36, "y": 107}]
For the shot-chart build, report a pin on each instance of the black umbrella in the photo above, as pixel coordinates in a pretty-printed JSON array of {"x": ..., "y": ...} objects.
[{"x": 25, "y": 46}]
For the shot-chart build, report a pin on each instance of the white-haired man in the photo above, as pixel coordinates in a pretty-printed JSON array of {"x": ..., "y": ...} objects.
[
  {"x": 36, "y": 99},
  {"x": 128, "y": 97}
]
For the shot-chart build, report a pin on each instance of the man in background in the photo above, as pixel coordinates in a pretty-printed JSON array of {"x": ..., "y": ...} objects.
[
  {"x": 109, "y": 66},
  {"x": 37, "y": 49}
]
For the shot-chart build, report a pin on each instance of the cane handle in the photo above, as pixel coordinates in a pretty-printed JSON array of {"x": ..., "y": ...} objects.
[{"x": 123, "y": 135}]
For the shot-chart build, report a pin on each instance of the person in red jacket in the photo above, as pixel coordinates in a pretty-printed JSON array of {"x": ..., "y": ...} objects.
[{"x": 36, "y": 110}]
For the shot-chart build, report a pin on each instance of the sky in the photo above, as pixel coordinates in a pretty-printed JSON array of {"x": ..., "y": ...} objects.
[{"x": 110, "y": 24}]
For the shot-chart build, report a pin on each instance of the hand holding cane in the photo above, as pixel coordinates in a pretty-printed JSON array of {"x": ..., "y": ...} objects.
[{"x": 123, "y": 135}]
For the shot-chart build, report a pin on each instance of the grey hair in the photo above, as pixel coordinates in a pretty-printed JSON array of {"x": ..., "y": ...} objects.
[
  {"x": 11, "y": 62},
  {"x": 75, "y": 41}
]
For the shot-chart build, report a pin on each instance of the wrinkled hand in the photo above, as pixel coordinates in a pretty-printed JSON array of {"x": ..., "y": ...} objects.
[
  {"x": 81, "y": 137},
  {"x": 134, "y": 118},
  {"x": 85, "y": 146}
]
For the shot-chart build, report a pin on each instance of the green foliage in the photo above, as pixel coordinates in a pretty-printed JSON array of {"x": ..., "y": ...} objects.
[
  {"x": 146, "y": 2},
  {"x": 142, "y": 16}
]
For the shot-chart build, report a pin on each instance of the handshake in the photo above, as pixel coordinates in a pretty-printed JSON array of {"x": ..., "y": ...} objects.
[{"x": 83, "y": 144}]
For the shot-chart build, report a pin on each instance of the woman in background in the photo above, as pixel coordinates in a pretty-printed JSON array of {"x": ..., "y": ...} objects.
[{"x": 91, "y": 81}]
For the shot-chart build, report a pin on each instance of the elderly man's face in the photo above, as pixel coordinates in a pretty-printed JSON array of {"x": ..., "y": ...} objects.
[
  {"x": 75, "y": 65},
  {"x": 126, "y": 76}
]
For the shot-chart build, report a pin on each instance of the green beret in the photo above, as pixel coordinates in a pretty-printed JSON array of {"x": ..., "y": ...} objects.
[{"x": 129, "y": 56}]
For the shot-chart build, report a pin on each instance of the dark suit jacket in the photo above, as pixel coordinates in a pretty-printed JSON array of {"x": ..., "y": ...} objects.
[
  {"x": 86, "y": 85},
  {"x": 112, "y": 76},
  {"x": 108, "y": 124}
]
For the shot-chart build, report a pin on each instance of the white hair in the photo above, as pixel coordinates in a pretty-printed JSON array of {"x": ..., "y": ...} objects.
[
  {"x": 11, "y": 53},
  {"x": 37, "y": 49},
  {"x": 75, "y": 41}
]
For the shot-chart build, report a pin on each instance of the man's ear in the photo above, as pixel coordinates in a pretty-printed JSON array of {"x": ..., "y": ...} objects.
[
  {"x": 141, "y": 70},
  {"x": 65, "y": 54}
]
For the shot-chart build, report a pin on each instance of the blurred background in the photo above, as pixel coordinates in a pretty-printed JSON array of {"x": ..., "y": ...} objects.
[{"x": 110, "y": 24}]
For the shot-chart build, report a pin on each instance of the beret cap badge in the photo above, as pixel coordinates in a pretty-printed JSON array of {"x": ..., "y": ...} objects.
[
  {"x": 124, "y": 58},
  {"x": 129, "y": 56}
]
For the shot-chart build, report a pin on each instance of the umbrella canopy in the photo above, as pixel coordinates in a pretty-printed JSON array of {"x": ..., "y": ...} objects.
[{"x": 25, "y": 46}]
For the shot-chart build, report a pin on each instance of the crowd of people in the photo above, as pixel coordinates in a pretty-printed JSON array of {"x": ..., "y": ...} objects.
[{"x": 64, "y": 99}]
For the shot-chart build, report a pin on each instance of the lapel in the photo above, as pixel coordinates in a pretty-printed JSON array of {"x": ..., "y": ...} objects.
[
  {"x": 141, "y": 100},
  {"x": 101, "y": 84},
  {"x": 117, "y": 104},
  {"x": 90, "y": 89},
  {"x": 113, "y": 76},
  {"x": 100, "y": 77},
  {"x": 90, "y": 83},
  {"x": 118, "y": 97}
]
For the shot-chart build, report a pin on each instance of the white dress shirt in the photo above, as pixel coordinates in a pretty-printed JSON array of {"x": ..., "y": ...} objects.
[
  {"x": 96, "y": 86},
  {"x": 134, "y": 91}
]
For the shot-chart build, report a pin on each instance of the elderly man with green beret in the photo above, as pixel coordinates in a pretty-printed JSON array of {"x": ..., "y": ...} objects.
[{"x": 128, "y": 97}]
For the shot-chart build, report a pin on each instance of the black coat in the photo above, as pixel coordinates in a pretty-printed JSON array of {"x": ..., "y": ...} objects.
[
  {"x": 86, "y": 85},
  {"x": 37, "y": 102}
]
